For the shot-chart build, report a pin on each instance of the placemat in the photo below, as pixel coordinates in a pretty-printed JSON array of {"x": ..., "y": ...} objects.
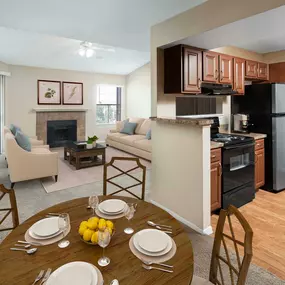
[
  {"x": 109, "y": 217},
  {"x": 156, "y": 259},
  {"x": 28, "y": 238}
]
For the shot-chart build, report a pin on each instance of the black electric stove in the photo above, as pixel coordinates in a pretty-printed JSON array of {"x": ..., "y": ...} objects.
[{"x": 238, "y": 163}]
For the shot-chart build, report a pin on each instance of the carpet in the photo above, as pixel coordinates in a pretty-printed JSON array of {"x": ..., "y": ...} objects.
[{"x": 69, "y": 177}]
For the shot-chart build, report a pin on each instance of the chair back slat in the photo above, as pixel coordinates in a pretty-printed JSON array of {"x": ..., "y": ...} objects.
[
  {"x": 13, "y": 210},
  {"x": 237, "y": 268},
  {"x": 107, "y": 180}
]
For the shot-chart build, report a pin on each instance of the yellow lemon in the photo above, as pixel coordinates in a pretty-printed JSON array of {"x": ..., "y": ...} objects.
[
  {"x": 87, "y": 235},
  {"x": 82, "y": 229},
  {"x": 102, "y": 225},
  {"x": 94, "y": 238},
  {"x": 110, "y": 225},
  {"x": 110, "y": 230},
  {"x": 92, "y": 224},
  {"x": 93, "y": 219},
  {"x": 84, "y": 223}
]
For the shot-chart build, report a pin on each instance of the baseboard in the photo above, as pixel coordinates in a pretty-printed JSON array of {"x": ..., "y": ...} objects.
[{"x": 207, "y": 231}]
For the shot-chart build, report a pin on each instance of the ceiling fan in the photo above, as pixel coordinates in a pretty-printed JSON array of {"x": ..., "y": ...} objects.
[{"x": 87, "y": 49}]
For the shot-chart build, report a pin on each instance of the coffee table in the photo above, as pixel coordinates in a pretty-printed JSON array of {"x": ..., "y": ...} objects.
[{"x": 82, "y": 157}]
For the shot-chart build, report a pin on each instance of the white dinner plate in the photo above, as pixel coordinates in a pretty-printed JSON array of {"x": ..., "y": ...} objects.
[
  {"x": 152, "y": 240},
  {"x": 145, "y": 252},
  {"x": 46, "y": 227},
  {"x": 33, "y": 235},
  {"x": 110, "y": 214},
  {"x": 112, "y": 206},
  {"x": 74, "y": 273}
]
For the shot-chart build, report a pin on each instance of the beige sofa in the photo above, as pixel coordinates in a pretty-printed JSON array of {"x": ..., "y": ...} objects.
[
  {"x": 136, "y": 144},
  {"x": 24, "y": 165}
]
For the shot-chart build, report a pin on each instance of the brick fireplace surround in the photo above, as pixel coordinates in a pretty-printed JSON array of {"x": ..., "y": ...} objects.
[{"x": 42, "y": 118}]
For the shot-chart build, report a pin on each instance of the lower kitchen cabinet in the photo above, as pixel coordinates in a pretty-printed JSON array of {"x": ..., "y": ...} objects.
[
  {"x": 216, "y": 179},
  {"x": 259, "y": 164}
]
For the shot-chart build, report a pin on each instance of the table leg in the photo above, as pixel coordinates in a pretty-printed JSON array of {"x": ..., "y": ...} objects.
[
  {"x": 103, "y": 157},
  {"x": 77, "y": 163},
  {"x": 65, "y": 154}
]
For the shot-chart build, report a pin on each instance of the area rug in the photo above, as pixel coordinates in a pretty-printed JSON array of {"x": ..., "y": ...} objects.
[{"x": 69, "y": 177}]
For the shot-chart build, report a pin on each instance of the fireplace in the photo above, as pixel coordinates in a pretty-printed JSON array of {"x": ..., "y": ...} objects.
[{"x": 60, "y": 132}]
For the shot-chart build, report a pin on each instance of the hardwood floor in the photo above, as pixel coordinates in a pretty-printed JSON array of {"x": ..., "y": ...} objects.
[{"x": 266, "y": 216}]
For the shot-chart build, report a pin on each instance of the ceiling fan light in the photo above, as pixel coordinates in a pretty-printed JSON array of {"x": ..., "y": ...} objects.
[
  {"x": 81, "y": 52},
  {"x": 89, "y": 52}
]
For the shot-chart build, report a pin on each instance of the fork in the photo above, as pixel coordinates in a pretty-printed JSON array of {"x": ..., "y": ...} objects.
[
  {"x": 156, "y": 268},
  {"x": 40, "y": 275},
  {"x": 46, "y": 277}
]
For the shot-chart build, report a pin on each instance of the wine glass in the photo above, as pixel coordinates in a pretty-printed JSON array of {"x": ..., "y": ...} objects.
[
  {"x": 104, "y": 238},
  {"x": 129, "y": 214},
  {"x": 63, "y": 225},
  {"x": 93, "y": 203}
]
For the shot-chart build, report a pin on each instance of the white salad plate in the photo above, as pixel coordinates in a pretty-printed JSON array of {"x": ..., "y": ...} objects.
[
  {"x": 113, "y": 206},
  {"x": 46, "y": 227},
  {"x": 74, "y": 273},
  {"x": 152, "y": 244}
]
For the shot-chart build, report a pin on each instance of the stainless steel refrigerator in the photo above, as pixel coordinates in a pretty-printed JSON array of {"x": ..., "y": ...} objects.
[{"x": 265, "y": 104}]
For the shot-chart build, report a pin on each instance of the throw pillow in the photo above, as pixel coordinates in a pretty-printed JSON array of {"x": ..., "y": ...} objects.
[
  {"x": 120, "y": 125},
  {"x": 14, "y": 129},
  {"x": 148, "y": 134},
  {"x": 23, "y": 141},
  {"x": 129, "y": 128}
]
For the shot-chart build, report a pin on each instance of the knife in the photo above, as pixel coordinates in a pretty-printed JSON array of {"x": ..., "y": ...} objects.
[{"x": 45, "y": 278}]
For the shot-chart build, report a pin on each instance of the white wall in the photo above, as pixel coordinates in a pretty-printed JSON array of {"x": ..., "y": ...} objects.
[
  {"x": 138, "y": 93},
  {"x": 21, "y": 96}
]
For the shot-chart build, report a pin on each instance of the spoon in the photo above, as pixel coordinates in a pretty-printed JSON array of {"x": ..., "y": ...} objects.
[
  {"x": 28, "y": 251},
  {"x": 23, "y": 245},
  {"x": 157, "y": 225},
  {"x": 114, "y": 282}
]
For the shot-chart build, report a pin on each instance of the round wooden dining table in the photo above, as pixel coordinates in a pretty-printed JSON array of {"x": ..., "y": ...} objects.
[{"x": 17, "y": 267}]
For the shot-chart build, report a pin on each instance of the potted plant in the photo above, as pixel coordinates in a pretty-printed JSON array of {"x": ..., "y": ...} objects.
[{"x": 91, "y": 142}]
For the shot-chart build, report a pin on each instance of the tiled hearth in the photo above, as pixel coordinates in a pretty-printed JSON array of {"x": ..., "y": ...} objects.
[{"x": 43, "y": 117}]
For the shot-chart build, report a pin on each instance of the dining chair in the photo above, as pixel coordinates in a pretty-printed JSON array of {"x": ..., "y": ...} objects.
[
  {"x": 127, "y": 172},
  {"x": 224, "y": 268},
  {"x": 13, "y": 210}
]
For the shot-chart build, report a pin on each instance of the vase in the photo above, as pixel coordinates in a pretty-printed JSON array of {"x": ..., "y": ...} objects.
[
  {"x": 89, "y": 145},
  {"x": 94, "y": 144}
]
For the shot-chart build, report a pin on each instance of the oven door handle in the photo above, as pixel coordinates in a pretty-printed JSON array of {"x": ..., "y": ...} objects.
[{"x": 239, "y": 146}]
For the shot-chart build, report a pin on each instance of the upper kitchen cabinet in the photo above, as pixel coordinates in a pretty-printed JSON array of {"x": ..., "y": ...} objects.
[
  {"x": 251, "y": 69},
  {"x": 256, "y": 70},
  {"x": 226, "y": 69},
  {"x": 262, "y": 71},
  {"x": 182, "y": 70},
  {"x": 210, "y": 66},
  {"x": 239, "y": 67}
]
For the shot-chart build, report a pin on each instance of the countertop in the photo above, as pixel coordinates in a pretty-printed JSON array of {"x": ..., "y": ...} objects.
[
  {"x": 216, "y": 145},
  {"x": 201, "y": 122}
]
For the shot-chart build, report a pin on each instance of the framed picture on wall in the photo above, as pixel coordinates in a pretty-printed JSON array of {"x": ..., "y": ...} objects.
[
  {"x": 49, "y": 92},
  {"x": 72, "y": 93}
]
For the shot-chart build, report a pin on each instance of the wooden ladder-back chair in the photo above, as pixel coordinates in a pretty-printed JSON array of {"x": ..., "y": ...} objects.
[
  {"x": 239, "y": 269},
  {"x": 13, "y": 209},
  {"x": 139, "y": 182}
]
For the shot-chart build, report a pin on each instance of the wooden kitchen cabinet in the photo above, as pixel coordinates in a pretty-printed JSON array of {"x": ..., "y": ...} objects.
[
  {"x": 262, "y": 72},
  {"x": 225, "y": 69},
  {"x": 251, "y": 69},
  {"x": 216, "y": 179},
  {"x": 182, "y": 70},
  {"x": 239, "y": 67},
  {"x": 259, "y": 164},
  {"x": 210, "y": 66}
]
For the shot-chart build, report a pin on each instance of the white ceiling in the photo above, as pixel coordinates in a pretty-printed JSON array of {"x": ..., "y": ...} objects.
[
  {"x": 47, "y": 33},
  {"x": 261, "y": 33}
]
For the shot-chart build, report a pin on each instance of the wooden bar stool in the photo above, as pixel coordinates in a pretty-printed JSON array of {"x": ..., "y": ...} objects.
[
  {"x": 222, "y": 258},
  {"x": 139, "y": 182},
  {"x": 13, "y": 210}
]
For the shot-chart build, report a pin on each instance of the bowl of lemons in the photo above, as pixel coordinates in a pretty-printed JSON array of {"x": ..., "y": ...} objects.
[{"x": 88, "y": 230}]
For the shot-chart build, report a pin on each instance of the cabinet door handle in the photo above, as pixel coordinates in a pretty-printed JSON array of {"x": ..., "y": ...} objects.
[
  {"x": 221, "y": 170},
  {"x": 217, "y": 74},
  {"x": 213, "y": 156},
  {"x": 222, "y": 77},
  {"x": 258, "y": 144}
]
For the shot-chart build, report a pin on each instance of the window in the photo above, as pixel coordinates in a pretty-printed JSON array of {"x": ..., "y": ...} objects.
[{"x": 108, "y": 109}]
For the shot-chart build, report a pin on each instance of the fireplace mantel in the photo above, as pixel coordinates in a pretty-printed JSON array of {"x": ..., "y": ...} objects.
[{"x": 37, "y": 110}]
